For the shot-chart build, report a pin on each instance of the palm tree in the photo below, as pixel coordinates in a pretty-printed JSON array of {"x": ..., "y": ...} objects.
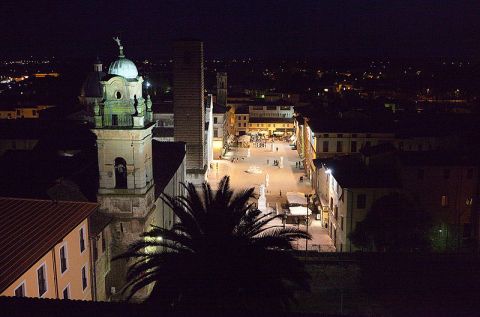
[{"x": 220, "y": 255}]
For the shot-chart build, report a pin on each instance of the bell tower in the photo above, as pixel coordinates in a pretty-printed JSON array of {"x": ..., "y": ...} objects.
[{"x": 124, "y": 144}]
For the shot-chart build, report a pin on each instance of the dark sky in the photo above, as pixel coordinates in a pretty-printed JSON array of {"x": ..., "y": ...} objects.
[{"x": 293, "y": 28}]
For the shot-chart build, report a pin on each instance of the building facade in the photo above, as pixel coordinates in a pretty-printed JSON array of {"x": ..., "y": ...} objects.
[{"x": 53, "y": 260}]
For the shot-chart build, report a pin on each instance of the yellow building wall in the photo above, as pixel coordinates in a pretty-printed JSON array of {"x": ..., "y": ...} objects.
[
  {"x": 30, "y": 279},
  {"x": 57, "y": 281}
]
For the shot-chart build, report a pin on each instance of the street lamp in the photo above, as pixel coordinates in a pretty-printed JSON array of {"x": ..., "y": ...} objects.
[{"x": 307, "y": 196}]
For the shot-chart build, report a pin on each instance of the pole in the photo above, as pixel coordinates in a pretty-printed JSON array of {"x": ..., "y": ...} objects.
[{"x": 306, "y": 239}]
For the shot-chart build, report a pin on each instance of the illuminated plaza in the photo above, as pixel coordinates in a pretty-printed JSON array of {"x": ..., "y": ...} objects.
[{"x": 251, "y": 171}]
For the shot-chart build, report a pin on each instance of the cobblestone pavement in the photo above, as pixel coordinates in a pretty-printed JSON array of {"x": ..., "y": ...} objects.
[{"x": 281, "y": 180}]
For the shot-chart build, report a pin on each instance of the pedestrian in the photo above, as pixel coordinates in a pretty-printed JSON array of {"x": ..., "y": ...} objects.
[
  {"x": 280, "y": 193},
  {"x": 268, "y": 161},
  {"x": 277, "y": 149}
]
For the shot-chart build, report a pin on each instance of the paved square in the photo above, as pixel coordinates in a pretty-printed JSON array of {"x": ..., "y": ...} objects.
[{"x": 251, "y": 171}]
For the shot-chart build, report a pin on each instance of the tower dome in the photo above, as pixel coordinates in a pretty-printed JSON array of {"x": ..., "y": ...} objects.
[
  {"x": 123, "y": 66},
  {"x": 91, "y": 86}
]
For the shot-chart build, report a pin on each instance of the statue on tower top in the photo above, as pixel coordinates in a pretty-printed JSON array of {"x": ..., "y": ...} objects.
[{"x": 120, "y": 46}]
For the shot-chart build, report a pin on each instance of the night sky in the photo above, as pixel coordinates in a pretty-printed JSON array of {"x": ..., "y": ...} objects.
[{"x": 261, "y": 29}]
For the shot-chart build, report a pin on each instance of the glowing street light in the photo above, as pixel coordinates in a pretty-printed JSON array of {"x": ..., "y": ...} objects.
[
  {"x": 328, "y": 171},
  {"x": 148, "y": 84}
]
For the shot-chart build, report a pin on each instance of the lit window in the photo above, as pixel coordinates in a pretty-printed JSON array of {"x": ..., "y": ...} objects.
[{"x": 444, "y": 201}]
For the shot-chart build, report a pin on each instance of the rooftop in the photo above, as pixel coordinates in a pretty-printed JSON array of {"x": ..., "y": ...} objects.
[
  {"x": 29, "y": 228},
  {"x": 350, "y": 172},
  {"x": 167, "y": 158}
]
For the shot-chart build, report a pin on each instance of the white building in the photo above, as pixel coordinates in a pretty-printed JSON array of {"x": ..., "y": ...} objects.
[{"x": 346, "y": 190}]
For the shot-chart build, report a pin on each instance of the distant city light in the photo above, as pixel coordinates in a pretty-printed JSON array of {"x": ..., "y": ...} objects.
[
  {"x": 325, "y": 89},
  {"x": 148, "y": 84}
]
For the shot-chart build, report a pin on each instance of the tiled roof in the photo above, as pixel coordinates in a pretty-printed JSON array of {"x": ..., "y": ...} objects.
[
  {"x": 350, "y": 172},
  {"x": 29, "y": 228}
]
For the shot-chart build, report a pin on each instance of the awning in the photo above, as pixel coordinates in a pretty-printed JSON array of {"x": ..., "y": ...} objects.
[
  {"x": 299, "y": 211},
  {"x": 296, "y": 198}
]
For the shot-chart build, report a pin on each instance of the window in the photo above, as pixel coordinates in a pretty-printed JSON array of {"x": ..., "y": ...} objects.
[
  {"x": 353, "y": 147},
  {"x": 339, "y": 146},
  {"x": 335, "y": 213},
  {"x": 42, "y": 280},
  {"x": 63, "y": 258},
  {"x": 339, "y": 135},
  {"x": 244, "y": 117},
  {"x": 239, "y": 124},
  {"x": 34, "y": 112},
  {"x": 114, "y": 119},
  {"x": 118, "y": 94},
  {"x": 470, "y": 173},
  {"x": 446, "y": 173},
  {"x": 120, "y": 173},
  {"x": 215, "y": 120},
  {"x": 444, "y": 201},
  {"x": 361, "y": 201},
  {"x": 341, "y": 222},
  {"x": 82, "y": 240},
  {"x": 331, "y": 203},
  {"x": 66, "y": 292},
  {"x": 325, "y": 146},
  {"x": 215, "y": 133},
  {"x": 84, "y": 278},
  {"x": 325, "y": 135},
  {"x": 20, "y": 290},
  {"x": 245, "y": 124},
  {"x": 420, "y": 174}
]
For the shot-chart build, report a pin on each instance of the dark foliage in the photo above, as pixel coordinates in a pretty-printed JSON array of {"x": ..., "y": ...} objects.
[
  {"x": 221, "y": 255},
  {"x": 393, "y": 224}
]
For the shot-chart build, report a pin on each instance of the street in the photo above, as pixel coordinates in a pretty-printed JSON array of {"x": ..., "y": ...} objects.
[{"x": 251, "y": 171}]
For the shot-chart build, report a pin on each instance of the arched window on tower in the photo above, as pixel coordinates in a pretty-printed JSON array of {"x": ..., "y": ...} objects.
[{"x": 120, "y": 173}]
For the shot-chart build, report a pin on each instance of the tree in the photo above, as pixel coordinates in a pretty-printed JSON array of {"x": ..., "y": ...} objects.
[
  {"x": 393, "y": 224},
  {"x": 220, "y": 255}
]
